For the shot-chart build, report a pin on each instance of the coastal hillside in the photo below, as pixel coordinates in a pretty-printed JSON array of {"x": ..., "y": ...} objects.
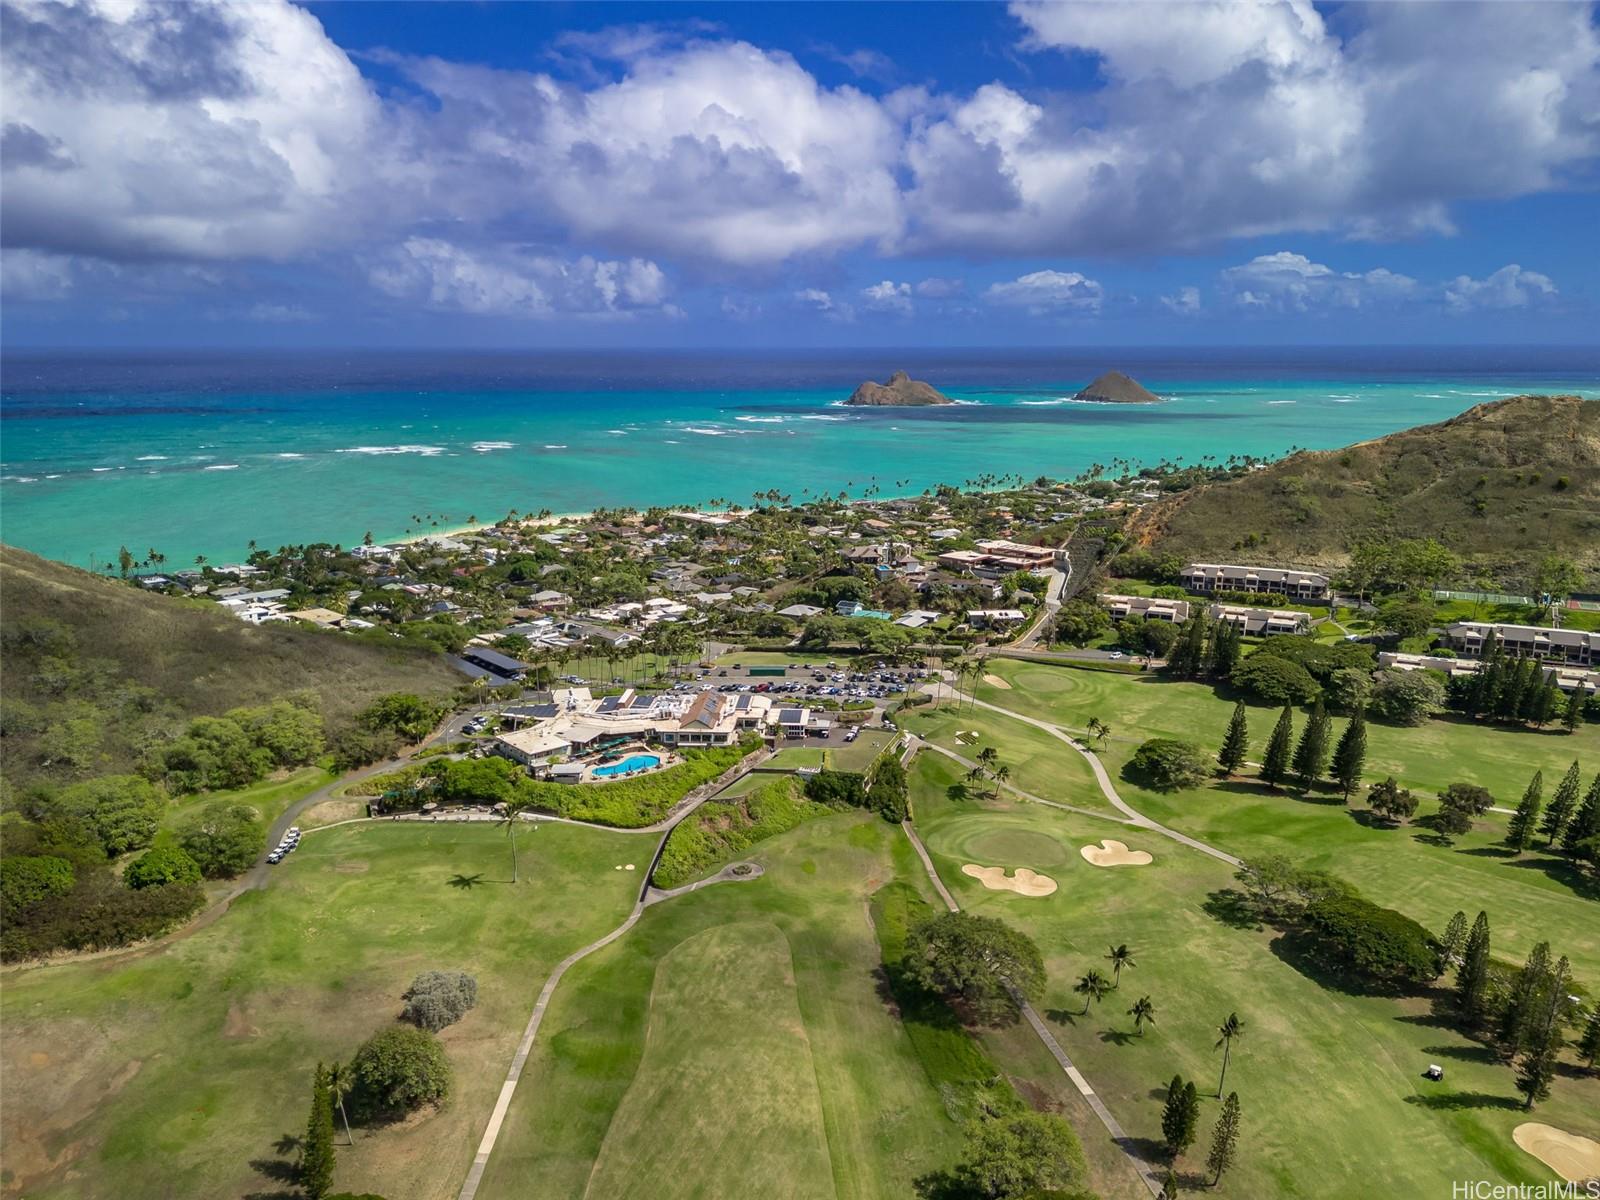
[
  {"x": 1502, "y": 485},
  {"x": 96, "y": 670}
]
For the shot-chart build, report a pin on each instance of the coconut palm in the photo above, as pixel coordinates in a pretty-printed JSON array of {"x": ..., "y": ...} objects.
[
  {"x": 340, "y": 1081},
  {"x": 512, "y": 818},
  {"x": 1001, "y": 774},
  {"x": 1092, "y": 986},
  {"x": 1141, "y": 1012},
  {"x": 1231, "y": 1028},
  {"x": 1120, "y": 957}
]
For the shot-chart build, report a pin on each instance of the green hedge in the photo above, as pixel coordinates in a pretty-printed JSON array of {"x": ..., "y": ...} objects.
[
  {"x": 720, "y": 831},
  {"x": 641, "y": 800}
]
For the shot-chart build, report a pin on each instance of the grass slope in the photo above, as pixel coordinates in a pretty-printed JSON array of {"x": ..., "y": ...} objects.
[
  {"x": 1330, "y": 1082},
  {"x": 883, "y": 1121},
  {"x": 1487, "y": 483},
  {"x": 141, "y": 663},
  {"x": 664, "y": 1130},
  {"x": 173, "y": 1073}
]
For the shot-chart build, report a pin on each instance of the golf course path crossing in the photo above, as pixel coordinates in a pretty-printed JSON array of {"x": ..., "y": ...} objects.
[
  {"x": 1146, "y": 1169},
  {"x": 1107, "y": 788}
]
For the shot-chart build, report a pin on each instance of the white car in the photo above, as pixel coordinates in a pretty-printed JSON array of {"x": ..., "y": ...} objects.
[{"x": 1116, "y": 654}]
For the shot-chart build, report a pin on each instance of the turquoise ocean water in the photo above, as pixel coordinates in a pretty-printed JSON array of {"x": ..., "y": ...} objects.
[{"x": 202, "y": 454}]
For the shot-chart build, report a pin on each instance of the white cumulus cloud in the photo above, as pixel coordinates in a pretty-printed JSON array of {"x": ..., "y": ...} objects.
[
  {"x": 1042, "y": 292},
  {"x": 1185, "y": 301},
  {"x": 1509, "y": 287},
  {"x": 1288, "y": 282},
  {"x": 888, "y": 297}
]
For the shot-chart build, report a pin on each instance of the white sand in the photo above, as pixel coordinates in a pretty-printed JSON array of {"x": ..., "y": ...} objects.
[
  {"x": 996, "y": 681},
  {"x": 1022, "y": 881},
  {"x": 1115, "y": 854},
  {"x": 1568, "y": 1155},
  {"x": 629, "y": 867}
]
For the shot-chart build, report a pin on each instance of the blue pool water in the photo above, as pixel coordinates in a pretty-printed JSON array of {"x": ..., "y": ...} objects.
[{"x": 634, "y": 762}]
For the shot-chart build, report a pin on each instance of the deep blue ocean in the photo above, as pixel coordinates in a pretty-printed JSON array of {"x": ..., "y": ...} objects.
[{"x": 202, "y": 453}]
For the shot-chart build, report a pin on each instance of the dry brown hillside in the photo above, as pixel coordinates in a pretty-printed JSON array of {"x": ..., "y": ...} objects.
[
  {"x": 127, "y": 665},
  {"x": 1502, "y": 485}
]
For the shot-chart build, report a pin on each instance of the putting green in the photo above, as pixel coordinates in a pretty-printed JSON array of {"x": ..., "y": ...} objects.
[
  {"x": 739, "y": 980},
  {"x": 1011, "y": 847}
]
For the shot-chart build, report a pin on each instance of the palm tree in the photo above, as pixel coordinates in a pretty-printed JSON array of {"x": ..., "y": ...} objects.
[
  {"x": 1141, "y": 1012},
  {"x": 1093, "y": 986},
  {"x": 512, "y": 818},
  {"x": 1120, "y": 957},
  {"x": 1001, "y": 774},
  {"x": 1231, "y": 1028},
  {"x": 340, "y": 1081}
]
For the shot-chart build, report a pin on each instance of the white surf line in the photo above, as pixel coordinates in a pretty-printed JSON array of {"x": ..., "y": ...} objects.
[{"x": 1119, "y": 1135}]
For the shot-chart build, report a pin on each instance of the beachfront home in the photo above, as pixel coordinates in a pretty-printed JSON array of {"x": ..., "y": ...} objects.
[
  {"x": 1150, "y": 607},
  {"x": 1261, "y": 622},
  {"x": 1282, "y": 581},
  {"x": 1571, "y": 646}
]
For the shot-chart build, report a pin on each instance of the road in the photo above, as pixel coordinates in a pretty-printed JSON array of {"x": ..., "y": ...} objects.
[{"x": 1047, "y": 611}]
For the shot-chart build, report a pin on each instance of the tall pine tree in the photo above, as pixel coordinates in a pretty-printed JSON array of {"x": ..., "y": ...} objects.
[
  {"x": 1280, "y": 748},
  {"x": 316, "y": 1162},
  {"x": 1542, "y": 1044},
  {"x": 1519, "y": 830},
  {"x": 1350, "y": 756},
  {"x": 1472, "y": 980},
  {"x": 1572, "y": 718},
  {"x": 1311, "y": 755},
  {"x": 1454, "y": 940},
  {"x": 1174, "y": 1118},
  {"x": 1518, "y": 1018},
  {"x": 1562, "y": 805},
  {"x": 1224, "y": 1139},
  {"x": 1236, "y": 746},
  {"x": 1587, "y": 821}
]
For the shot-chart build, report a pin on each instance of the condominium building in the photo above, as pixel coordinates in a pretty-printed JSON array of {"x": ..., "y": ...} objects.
[{"x": 1283, "y": 581}]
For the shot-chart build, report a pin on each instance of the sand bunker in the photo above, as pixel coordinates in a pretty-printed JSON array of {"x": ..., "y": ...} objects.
[
  {"x": 1115, "y": 854},
  {"x": 996, "y": 681},
  {"x": 1568, "y": 1155},
  {"x": 1022, "y": 881}
]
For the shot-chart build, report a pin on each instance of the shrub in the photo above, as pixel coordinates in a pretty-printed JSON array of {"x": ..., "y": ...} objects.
[
  {"x": 1380, "y": 944},
  {"x": 1273, "y": 680},
  {"x": 1391, "y": 801},
  {"x": 436, "y": 999},
  {"x": 224, "y": 839},
  {"x": 1406, "y": 697},
  {"x": 162, "y": 865},
  {"x": 1169, "y": 764},
  {"x": 97, "y": 914},
  {"x": 398, "y": 1070},
  {"x": 888, "y": 795},
  {"x": 720, "y": 831},
  {"x": 402, "y": 713},
  {"x": 837, "y": 789},
  {"x": 27, "y": 879}
]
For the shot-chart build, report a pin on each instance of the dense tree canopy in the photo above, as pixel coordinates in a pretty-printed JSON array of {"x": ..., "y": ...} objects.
[{"x": 975, "y": 958}]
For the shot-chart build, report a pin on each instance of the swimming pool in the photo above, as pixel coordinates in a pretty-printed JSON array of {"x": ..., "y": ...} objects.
[{"x": 634, "y": 762}]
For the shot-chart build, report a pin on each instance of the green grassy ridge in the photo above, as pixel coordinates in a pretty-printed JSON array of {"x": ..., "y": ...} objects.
[
  {"x": 721, "y": 831},
  {"x": 135, "y": 665},
  {"x": 1487, "y": 483}
]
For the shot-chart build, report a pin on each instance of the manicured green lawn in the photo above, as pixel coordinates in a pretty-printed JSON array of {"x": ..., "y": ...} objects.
[
  {"x": 780, "y": 658},
  {"x": 1334, "y": 1103},
  {"x": 170, "y": 1073},
  {"x": 746, "y": 784},
  {"x": 638, "y": 1061},
  {"x": 1528, "y": 899},
  {"x": 792, "y": 757},
  {"x": 739, "y": 980},
  {"x": 859, "y": 754},
  {"x": 1032, "y": 754}
]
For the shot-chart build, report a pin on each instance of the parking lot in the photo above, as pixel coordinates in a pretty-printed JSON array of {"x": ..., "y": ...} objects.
[{"x": 832, "y": 681}]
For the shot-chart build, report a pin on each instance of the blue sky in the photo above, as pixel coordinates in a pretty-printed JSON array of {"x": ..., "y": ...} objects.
[{"x": 799, "y": 174}]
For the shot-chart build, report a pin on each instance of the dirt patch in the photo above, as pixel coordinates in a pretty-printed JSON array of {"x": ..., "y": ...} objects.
[
  {"x": 38, "y": 1058},
  {"x": 237, "y": 1025},
  {"x": 1567, "y": 1154},
  {"x": 352, "y": 867},
  {"x": 1022, "y": 881},
  {"x": 1116, "y": 854},
  {"x": 331, "y": 811},
  {"x": 996, "y": 681}
]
